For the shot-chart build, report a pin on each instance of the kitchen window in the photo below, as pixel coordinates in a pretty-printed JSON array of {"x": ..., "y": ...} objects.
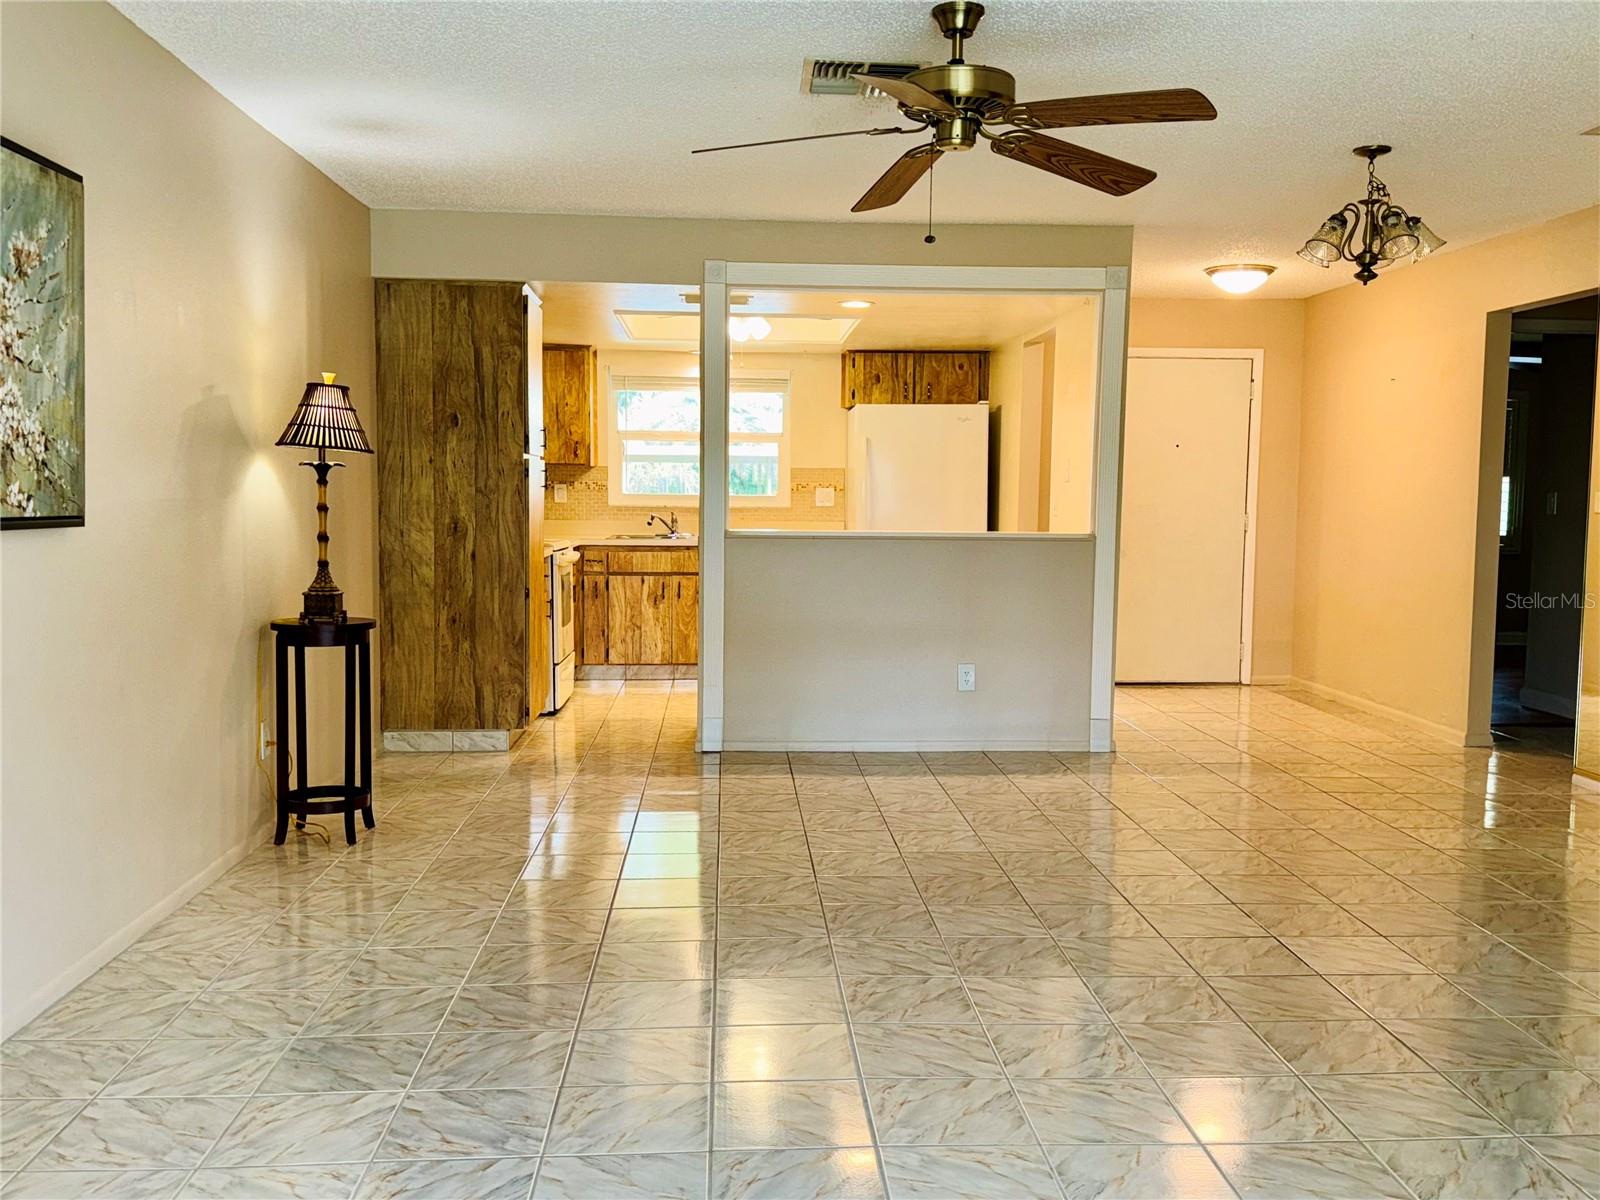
[{"x": 654, "y": 432}]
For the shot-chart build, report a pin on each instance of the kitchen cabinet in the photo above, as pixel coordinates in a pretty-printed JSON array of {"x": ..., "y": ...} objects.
[
  {"x": 686, "y": 620},
  {"x": 915, "y": 377},
  {"x": 592, "y": 614},
  {"x": 639, "y": 607},
  {"x": 569, "y": 405}
]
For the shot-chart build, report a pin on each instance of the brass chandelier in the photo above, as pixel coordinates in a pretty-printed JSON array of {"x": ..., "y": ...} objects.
[{"x": 1373, "y": 233}]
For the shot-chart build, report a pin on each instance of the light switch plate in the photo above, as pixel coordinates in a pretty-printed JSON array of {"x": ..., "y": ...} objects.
[
  {"x": 561, "y": 493},
  {"x": 966, "y": 677},
  {"x": 823, "y": 497}
]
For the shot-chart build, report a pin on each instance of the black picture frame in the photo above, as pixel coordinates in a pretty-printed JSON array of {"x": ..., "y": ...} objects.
[{"x": 74, "y": 282}]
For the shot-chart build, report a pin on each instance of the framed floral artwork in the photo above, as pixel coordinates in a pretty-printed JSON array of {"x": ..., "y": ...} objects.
[{"x": 41, "y": 341}]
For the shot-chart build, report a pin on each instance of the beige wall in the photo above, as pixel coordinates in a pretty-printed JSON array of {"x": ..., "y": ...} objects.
[
  {"x": 1277, "y": 328},
  {"x": 853, "y": 640},
  {"x": 1394, "y": 445},
  {"x": 1043, "y": 478},
  {"x": 529, "y": 246},
  {"x": 222, "y": 271}
]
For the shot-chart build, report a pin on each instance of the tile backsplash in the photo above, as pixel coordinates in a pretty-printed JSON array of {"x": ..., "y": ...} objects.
[{"x": 588, "y": 499}]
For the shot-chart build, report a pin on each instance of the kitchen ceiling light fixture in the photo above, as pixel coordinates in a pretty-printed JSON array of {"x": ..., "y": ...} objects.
[
  {"x": 1239, "y": 278},
  {"x": 747, "y": 329},
  {"x": 855, "y": 304},
  {"x": 1373, "y": 233}
]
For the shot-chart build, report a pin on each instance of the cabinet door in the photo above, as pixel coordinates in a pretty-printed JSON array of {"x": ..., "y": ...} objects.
[
  {"x": 955, "y": 377},
  {"x": 624, "y": 607},
  {"x": 655, "y": 618},
  {"x": 878, "y": 377},
  {"x": 569, "y": 380},
  {"x": 592, "y": 620},
  {"x": 686, "y": 619}
]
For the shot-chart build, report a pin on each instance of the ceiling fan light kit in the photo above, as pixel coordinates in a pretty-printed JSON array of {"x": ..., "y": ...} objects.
[
  {"x": 1239, "y": 278},
  {"x": 956, "y": 103},
  {"x": 1373, "y": 233}
]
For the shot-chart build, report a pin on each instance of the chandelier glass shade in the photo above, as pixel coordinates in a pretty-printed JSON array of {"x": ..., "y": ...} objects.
[{"x": 1373, "y": 233}]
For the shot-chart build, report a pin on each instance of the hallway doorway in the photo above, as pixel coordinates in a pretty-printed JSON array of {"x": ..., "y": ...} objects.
[{"x": 1544, "y": 511}]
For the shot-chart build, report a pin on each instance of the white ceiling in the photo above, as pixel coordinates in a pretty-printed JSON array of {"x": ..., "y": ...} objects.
[
  {"x": 592, "y": 106},
  {"x": 583, "y": 314}
]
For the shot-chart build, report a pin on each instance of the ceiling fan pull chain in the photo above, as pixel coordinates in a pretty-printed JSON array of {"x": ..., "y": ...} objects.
[{"x": 930, "y": 239}]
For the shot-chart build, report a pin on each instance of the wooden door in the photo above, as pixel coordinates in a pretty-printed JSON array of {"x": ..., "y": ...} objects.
[
  {"x": 655, "y": 618},
  {"x": 953, "y": 377},
  {"x": 624, "y": 608},
  {"x": 686, "y": 619},
  {"x": 878, "y": 377},
  {"x": 1180, "y": 576},
  {"x": 454, "y": 516},
  {"x": 569, "y": 379},
  {"x": 592, "y": 621}
]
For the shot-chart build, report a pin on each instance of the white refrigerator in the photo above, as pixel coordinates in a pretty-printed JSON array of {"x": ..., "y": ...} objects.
[{"x": 917, "y": 467}]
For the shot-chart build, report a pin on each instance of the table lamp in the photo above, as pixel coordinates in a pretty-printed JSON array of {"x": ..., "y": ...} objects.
[{"x": 325, "y": 420}]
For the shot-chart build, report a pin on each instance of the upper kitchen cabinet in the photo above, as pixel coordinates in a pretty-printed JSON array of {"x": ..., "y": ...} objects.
[
  {"x": 915, "y": 377},
  {"x": 569, "y": 406}
]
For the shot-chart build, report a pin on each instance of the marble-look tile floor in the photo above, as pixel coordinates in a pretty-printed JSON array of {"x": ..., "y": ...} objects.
[{"x": 1270, "y": 949}]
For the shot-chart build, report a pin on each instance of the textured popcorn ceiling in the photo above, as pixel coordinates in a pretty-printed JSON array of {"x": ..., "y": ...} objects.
[{"x": 592, "y": 107}]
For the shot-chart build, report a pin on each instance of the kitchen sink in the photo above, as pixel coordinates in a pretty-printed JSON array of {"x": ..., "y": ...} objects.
[{"x": 650, "y": 537}]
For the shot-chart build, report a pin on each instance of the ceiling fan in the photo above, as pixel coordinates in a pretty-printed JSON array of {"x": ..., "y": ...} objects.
[{"x": 960, "y": 102}]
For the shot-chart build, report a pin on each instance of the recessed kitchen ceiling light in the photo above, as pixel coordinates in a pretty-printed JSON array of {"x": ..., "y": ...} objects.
[
  {"x": 1239, "y": 278},
  {"x": 855, "y": 304}
]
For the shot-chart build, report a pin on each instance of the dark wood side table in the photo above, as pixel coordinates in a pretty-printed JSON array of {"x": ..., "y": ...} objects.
[{"x": 355, "y": 793}]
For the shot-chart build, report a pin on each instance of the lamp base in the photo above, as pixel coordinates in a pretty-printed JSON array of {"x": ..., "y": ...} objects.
[{"x": 323, "y": 606}]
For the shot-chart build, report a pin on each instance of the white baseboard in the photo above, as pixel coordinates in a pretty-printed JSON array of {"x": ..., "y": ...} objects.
[
  {"x": 1270, "y": 680},
  {"x": 1549, "y": 702},
  {"x": 1585, "y": 783},
  {"x": 976, "y": 744},
  {"x": 18, "y": 1015},
  {"x": 1456, "y": 737}
]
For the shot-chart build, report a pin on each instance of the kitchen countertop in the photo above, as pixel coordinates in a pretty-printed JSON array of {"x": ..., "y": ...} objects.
[{"x": 688, "y": 541}]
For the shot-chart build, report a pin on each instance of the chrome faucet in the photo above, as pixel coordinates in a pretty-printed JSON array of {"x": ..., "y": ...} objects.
[{"x": 670, "y": 523}]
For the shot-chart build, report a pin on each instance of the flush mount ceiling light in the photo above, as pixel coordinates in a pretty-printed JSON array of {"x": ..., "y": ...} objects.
[
  {"x": 1239, "y": 278},
  {"x": 746, "y": 329},
  {"x": 1373, "y": 233},
  {"x": 855, "y": 304}
]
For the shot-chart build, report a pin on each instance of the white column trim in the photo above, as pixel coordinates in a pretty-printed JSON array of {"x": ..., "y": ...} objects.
[
  {"x": 713, "y": 497},
  {"x": 1107, "y": 501}
]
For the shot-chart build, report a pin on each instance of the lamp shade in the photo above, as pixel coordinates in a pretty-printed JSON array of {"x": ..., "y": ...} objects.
[
  {"x": 326, "y": 420},
  {"x": 1326, "y": 245}
]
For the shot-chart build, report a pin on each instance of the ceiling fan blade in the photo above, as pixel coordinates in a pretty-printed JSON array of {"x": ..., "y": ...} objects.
[
  {"x": 898, "y": 179},
  {"x": 910, "y": 94},
  {"x": 1088, "y": 167},
  {"x": 810, "y": 137},
  {"x": 1118, "y": 108}
]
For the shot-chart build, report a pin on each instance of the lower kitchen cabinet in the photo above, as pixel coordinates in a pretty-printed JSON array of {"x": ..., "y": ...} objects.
[
  {"x": 686, "y": 620},
  {"x": 639, "y": 608}
]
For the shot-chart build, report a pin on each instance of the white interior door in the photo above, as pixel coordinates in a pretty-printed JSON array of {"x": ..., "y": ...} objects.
[{"x": 1181, "y": 559}]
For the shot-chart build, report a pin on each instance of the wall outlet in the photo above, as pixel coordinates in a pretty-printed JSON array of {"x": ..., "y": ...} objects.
[
  {"x": 822, "y": 497},
  {"x": 966, "y": 677},
  {"x": 561, "y": 493}
]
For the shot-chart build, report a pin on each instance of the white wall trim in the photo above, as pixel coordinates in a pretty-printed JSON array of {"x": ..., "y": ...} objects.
[
  {"x": 19, "y": 1014},
  {"x": 1252, "y": 484},
  {"x": 979, "y": 744},
  {"x": 714, "y": 374},
  {"x": 1455, "y": 737},
  {"x": 844, "y": 276},
  {"x": 1107, "y": 510},
  {"x": 1584, "y": 783},
  {"x": 1110, "y": 282}
]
